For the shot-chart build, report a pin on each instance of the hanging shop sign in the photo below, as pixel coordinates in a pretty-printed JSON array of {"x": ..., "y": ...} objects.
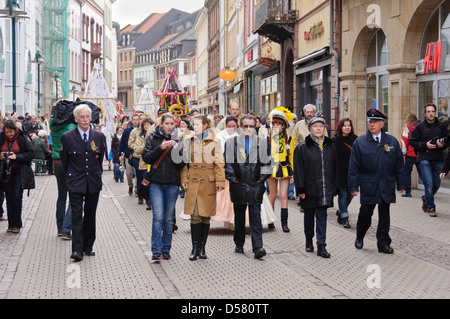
[
  {"x": 267, "y": 61},
  {"x": 227, "y": 75}
]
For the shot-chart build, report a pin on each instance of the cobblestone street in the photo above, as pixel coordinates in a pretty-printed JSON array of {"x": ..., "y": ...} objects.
[{"x": 35, "y": 263}]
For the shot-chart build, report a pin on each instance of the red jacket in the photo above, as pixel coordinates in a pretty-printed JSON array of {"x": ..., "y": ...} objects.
[{"x": 407, "y": 149}]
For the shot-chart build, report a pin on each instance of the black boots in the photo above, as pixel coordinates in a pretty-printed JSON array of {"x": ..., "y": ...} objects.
[
  {"x": 203, "y": 238},
  {"x": 309, "y": 245},
  {"x": 343, "y": 221},
  {"x": 284, "y": 218},
  {"x": 322, "y": 252},
  {"x": 195, "y": 236},
  {"x": 199, "y": 235}
]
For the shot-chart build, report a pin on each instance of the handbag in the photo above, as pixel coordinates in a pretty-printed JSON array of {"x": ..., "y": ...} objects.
[{"x": 144, "y": 187}]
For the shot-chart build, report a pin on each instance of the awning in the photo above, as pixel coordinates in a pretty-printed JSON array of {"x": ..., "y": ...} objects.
[{"x": 237, "y": 87}]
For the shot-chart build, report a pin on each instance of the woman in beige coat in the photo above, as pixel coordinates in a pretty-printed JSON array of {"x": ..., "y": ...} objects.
[
  {"x": 138, "y": 148},
  {"x": 202, "y": 178}
]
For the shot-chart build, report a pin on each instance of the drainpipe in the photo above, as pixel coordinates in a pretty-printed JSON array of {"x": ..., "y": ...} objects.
[{"x": 336, "y": 56}]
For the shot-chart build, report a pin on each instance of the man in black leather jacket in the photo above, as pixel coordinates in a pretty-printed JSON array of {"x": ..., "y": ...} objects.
[{"x": 247, "y": 167}]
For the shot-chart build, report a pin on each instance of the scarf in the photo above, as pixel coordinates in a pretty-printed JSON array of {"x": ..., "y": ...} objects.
[
  {"x": 319, "y": 142},
  {"x": 11, "y": 145},
  {"x": 279, "y": 149}
]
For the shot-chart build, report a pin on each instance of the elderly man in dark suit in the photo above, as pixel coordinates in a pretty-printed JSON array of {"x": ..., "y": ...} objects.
[{"x": 82, "y": 151}]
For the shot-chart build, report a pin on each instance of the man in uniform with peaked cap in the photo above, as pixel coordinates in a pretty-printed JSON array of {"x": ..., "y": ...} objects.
[{"x": 376, "y": 166}]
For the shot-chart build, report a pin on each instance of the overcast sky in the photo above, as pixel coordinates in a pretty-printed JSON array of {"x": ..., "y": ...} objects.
[{"x": 135, "y": 11}]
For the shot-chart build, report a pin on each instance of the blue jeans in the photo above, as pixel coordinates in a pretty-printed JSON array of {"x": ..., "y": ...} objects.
[
  {"x": 63, "y": 216},
  {"x": 117, "y": 172},
  {"x": 163, "y": 198},
  {"x": 320, "y": 214},
  {"x": 291, "y": 189},
  {"x": 344, "y": 199},
  {"x": 430, "y": 171},
  {"x": 409, "y": 163}
]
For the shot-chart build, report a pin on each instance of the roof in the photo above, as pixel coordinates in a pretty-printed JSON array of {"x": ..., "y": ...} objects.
[
  {"x": 145, "y": 25},
  {"x": 149, "y": 22},
  {"x": 165, "y": 40}
]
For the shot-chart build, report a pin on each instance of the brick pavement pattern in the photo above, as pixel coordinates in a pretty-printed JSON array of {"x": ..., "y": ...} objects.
[{"x": 35, "y": 263}]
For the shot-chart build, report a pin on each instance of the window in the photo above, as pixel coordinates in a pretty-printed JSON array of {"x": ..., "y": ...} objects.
[{"x": 377, "y": 78}]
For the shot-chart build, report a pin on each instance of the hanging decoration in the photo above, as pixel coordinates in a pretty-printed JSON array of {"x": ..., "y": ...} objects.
[{"x": 171, "y": 98}]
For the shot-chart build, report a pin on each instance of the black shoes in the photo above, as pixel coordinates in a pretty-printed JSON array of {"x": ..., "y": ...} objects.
[
  {"x": 309, "y": 246},
  {"x": 76, "y": 256},
  {"x": 259, "y": 253},
  {"x": 342, "y": 221},
  {"x": 322, "y": 252},
  {"x": 381, "y": 249},
  {"x": 359, "y": 243},
  {"x": 345, "y": 222},
  {"x": 386, "y": 249}
]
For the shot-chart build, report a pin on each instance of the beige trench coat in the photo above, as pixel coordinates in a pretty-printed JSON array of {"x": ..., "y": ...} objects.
[{"x": 204, "y": 172}]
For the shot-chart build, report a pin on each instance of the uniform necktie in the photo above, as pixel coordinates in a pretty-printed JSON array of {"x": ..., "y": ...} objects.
[
  {"x": 378, "y": 140},
  {"x": 85, "y": 138}
]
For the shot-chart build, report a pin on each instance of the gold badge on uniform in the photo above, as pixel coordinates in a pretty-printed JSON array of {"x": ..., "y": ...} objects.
[{"x": 93, "y": 146}]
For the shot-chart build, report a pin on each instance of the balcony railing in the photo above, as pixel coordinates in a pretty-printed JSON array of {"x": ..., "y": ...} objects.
[
  {"x": 274, "y": 22},
  {"x": 96, "y": 50}
]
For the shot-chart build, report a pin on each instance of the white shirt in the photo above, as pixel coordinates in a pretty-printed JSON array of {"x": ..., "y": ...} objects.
[
  {"x": 375, "y": 137},
  {"x": 82, "y": 133}
]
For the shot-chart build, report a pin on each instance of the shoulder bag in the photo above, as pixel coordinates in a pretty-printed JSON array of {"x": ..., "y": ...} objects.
[{"x": 143, "y": 188}]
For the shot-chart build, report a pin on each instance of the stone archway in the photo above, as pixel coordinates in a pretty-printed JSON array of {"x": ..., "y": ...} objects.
[
  {"x": 416, "y": 27},
  {"x": 287, "y": 75}
]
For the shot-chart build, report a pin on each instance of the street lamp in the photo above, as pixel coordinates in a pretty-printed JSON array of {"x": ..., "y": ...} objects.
[
  {"x": 56, "y": 77},
  {"x": 39, "y": 60},
  {"x": 12, "y": 10},
  {"x": 74, "y": 90}
]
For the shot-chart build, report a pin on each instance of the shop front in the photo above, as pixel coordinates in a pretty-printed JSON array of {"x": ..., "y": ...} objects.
[
  {"x": 312, "y": 68},
  {"x": 396, "y": 59},
  {"x": 433, "y": 68}
]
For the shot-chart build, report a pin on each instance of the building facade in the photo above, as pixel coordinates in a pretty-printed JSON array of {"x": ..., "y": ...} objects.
[{"x": 389, "y": 61}]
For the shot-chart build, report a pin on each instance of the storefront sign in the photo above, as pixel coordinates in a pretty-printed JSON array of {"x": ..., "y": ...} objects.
[
  {"x": 434, "y": 61},
  {"x": 315, "y": 31},
  {"x": 227, "y": 75},
  {"x": 267, "y": 62}
]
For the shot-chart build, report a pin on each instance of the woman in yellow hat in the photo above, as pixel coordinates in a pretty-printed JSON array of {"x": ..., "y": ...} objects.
[{"x": 282, "y": 148}]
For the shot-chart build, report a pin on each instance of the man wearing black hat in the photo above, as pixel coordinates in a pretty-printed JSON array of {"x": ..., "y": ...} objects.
[{"x": 376, "y": 165}]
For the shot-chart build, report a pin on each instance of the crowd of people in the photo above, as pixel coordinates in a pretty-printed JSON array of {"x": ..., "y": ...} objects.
[{"x": 228, "y": 169}]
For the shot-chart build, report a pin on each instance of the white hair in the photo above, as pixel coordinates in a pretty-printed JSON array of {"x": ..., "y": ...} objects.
[
  {"x": 309, "y": 105},
  {"x": 81, "y": 107}
]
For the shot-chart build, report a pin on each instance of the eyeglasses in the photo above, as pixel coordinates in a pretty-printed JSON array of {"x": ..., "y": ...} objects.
[{"x": 248, "y": 126}]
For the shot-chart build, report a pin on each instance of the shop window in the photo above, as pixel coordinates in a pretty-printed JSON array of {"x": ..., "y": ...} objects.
[
  {"x": 377, "y": 78},
  {"x": 435, "y": 87}
]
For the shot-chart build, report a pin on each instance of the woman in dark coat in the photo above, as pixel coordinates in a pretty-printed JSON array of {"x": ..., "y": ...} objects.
[
  {"x": 115, "y": 143},
  {"x": 17, "y": 152},
  {"x": 345, "y": 136},
  {"x": 165, "y": 182},
  {"x": 316, "y": 180}
]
